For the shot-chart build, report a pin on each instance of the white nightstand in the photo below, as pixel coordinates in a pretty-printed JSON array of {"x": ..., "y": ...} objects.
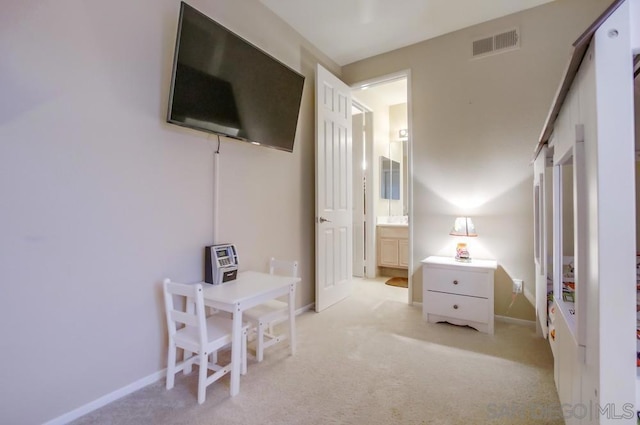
[{"x": 458, "y": 293}]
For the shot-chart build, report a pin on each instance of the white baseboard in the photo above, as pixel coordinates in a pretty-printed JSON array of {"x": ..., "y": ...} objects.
[
  {"x": 515, "y": 321},
  {"x": 305, "y": 308},
  {"x": 106, "y": 399},
  {"x": 124, "y": 391}
]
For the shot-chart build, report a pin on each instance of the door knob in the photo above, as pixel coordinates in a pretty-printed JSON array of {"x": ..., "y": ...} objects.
[{"x": 322, "y": 220}]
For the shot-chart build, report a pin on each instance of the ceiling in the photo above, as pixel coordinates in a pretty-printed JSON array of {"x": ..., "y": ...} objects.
[
  {"x": 387, "y": 93},
  {"x": 350, "y": 30}
]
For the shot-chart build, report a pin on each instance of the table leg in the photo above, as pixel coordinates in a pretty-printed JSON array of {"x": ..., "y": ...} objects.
[
  {"x": 292, "y": 318},
  {"x": 236, "y": 351}
]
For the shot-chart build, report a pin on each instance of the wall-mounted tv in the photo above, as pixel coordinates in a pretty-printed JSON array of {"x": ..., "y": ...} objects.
[{"x": 225, "y": 85}]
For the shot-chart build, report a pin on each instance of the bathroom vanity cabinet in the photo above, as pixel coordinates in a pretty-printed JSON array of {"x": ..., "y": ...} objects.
[{"x": 393, "y": 246}]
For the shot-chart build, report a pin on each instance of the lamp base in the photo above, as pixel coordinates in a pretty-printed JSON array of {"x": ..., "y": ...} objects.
[{"x": 462, "y": 253}]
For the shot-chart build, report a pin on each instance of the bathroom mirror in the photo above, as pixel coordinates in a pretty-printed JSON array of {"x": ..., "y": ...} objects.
[{"x": 389, "y": 178}]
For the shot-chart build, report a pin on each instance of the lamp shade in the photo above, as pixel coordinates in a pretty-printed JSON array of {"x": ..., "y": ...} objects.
[{"x": 463, "y": 226}]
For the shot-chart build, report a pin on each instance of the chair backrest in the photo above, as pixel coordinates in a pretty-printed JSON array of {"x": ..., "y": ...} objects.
[
  {"x": 183, "y": 313},
  {"x": 283, "y": 268}
]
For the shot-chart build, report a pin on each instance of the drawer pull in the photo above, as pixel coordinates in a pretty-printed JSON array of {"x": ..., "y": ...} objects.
[
  {"x": 455, "y": 306},
  {"x": 455, "y": 282}
]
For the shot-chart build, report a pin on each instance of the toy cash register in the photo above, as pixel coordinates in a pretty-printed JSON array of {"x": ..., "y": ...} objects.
[{"x": 221, "y": 263}]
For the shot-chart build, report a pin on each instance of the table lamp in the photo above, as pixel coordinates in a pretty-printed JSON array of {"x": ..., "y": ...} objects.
[{"x": 463, "y": 226}]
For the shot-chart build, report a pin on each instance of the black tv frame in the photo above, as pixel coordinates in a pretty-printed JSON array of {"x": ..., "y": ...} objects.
[{"x": 225, "y": 89}]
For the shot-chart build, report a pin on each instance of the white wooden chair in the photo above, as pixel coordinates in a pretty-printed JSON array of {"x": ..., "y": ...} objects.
[
  {"x": 200, "y": 337},
  {"x": 263, "y": 317}
]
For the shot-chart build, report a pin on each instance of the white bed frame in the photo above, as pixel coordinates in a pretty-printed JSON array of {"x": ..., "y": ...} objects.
[{"x": 591, "y": 123}]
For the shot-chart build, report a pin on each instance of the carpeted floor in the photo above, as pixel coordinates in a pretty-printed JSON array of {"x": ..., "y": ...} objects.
[{"x": 369, "y": 359}]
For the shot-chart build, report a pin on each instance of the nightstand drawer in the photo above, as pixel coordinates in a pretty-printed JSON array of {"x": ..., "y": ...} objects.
[
  {"x": 458, "y": 307},
  {"x": 462, "y": 282},
  {"x": 457, "y": 292}
]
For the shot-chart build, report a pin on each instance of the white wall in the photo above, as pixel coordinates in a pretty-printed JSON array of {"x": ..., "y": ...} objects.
[
  {"x": 100, "y": 198},
  {"x": 475, "y": 124}
]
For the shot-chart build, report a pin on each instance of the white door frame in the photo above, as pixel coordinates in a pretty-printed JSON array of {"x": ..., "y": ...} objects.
[
  {"x": 365, "y": 268},
  {"x": 371, "y": 225}
]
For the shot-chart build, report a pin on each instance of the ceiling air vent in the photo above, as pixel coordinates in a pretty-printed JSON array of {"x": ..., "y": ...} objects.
[{"x": 497, "y": 43}]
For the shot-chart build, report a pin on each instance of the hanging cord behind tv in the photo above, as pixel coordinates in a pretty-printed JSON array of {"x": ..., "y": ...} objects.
[{"x": 216, "y": 189}]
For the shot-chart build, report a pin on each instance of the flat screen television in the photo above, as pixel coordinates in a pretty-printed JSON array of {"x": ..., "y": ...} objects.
[{"x": 225, "y": 85}]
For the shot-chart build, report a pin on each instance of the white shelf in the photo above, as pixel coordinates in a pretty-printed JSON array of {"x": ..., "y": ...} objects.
[{"x": 565, "y": 308}]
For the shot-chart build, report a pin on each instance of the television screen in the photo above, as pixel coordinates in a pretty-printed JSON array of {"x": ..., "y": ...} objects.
[{"x": 225, "y": 85}]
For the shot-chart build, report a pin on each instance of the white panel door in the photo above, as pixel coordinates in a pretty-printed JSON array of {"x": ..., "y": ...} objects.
[{"x": 334, "y": 227}]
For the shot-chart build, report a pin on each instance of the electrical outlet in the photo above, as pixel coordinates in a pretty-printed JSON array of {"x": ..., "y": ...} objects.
[{"x": 517, "y": 286}]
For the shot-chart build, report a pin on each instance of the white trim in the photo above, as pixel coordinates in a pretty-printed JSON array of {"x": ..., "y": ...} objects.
[
  {"x": 634, "y": 16},
  {"x": 371, "y": 265},
  {"x": 411, "y": 266},
  {"x": 106, "y": 399},
  {"x": 305, "y": 308},
  {"x": 383, "y": 79},
  {"x": 126, "y": 390},
  {"x": 513, "y": 320}
]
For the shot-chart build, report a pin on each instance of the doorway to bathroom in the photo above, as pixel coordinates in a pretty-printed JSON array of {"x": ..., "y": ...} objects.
[{"x": 382, "y": 180}]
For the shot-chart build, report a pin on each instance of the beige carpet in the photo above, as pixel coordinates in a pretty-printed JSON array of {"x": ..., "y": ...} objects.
[{"x": 370, "y": 359}]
